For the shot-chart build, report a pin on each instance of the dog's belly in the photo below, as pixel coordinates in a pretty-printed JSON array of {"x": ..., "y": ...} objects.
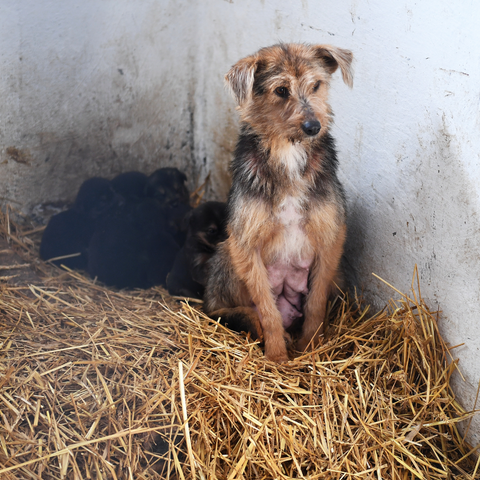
[
  {"x": 288, "y": 272},
  {"x": 289, "y": 283}
]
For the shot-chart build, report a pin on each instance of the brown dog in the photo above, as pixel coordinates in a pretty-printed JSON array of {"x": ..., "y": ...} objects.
[{"x": 286, "y": 222}]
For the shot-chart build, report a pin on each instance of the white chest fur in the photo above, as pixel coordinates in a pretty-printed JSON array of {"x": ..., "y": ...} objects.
[
  {"x": 296, "y": 248},
  {"x": 293, "y": 157}
]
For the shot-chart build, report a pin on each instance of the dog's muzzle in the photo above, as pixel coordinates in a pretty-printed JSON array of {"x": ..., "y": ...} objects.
[{"x": 311, "y": 127}]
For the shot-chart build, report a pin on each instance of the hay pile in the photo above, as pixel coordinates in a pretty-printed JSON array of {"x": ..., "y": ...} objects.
[{"x": 100, "y": 384}]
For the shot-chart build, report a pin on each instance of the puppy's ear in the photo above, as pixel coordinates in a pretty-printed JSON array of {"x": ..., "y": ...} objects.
[
  {"x": 240, "y": 77},
  {"x": 334, "y": 57}
]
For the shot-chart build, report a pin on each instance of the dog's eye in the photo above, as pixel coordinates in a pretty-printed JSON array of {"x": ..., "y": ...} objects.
[
  {"x": 317, "y": 84},
  {"x": 282, "y": 92}
]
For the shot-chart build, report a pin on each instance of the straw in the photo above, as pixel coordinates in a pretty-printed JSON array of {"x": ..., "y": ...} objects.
[{"x": 97, "y": 383}]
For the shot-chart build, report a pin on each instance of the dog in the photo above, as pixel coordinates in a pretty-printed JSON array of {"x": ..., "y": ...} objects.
[
  {"x": 68, "y": 233},
  {"x": 206, "y": 228},
  {"x": 167, "y": 185},
  {"x": 133, "y": 248},
  {"x": 286, "y": 208},
  {"x": 130, "y": 185}
]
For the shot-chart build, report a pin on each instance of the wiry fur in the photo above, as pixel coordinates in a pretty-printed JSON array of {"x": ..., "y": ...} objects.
[{"x": 286, "y": 222}]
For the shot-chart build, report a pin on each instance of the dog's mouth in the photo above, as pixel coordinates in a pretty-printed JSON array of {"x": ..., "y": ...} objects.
[{"x": 298, "y": 139}]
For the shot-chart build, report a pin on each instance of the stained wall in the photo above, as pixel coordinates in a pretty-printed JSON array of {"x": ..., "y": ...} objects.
[{"x": 92, "y": 88}]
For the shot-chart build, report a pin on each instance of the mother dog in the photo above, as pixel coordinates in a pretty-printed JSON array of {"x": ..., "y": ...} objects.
[{"x": 286, "y": 208}]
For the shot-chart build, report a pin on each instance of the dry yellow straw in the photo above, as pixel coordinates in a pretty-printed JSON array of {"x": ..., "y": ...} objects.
[
  {"x": 185, "y": 418},
  {"x": 93, "y": 384}
]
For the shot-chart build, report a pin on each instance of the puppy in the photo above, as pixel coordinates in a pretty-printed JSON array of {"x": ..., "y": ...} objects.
[
  {"x": 286, "y": 208},
  {"x": 96, "y": 197},
  {"x": 67, "y": 235},
  {"x": 206, "y": 228},
  {"x": 167, "y": 185},
  {"x": 130, "y": 185},
  {"x": 176, "y": 224},
  {"x": 132, "y": 248},
  {"x": 69, "y": 232}
]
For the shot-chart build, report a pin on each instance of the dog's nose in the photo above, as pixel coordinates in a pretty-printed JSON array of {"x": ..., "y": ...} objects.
[{"x": 311, "y": 127}]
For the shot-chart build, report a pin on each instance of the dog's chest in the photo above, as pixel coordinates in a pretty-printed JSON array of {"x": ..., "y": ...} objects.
[{"x": 294, "y": 246}]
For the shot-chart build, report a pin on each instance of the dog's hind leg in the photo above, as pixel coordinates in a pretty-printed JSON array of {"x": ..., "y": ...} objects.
[{"x": 240, "y": 319}]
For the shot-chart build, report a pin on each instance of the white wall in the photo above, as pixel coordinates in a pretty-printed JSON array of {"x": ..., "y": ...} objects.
[{"x": 407, "y": 134}]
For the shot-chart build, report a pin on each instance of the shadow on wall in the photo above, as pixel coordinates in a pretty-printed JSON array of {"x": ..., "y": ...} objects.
[
  {"x": 428, "y": 216},
  {"x": 90, "y": 93},
  {"x": 357, "y": 221}
]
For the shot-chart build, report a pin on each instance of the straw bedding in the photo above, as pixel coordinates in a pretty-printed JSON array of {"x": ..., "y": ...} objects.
[{"x": 101, "y": 384}]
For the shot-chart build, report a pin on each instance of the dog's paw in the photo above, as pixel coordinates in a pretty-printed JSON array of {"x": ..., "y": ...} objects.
[
  {"x": 280, "y": 358},
  {"x": 276, "y": 352}
]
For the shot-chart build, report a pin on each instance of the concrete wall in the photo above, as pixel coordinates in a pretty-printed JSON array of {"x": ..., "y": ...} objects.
[
  {"x": 99, "y": 87},
  {"x": 92, "y": 88}
]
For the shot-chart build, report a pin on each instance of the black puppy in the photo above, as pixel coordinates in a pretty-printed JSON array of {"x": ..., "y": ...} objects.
[
  {"x": 132, "y": 248},
  {"x": 176, "y": 223},
  {"x": 96, "y": 197},
  {"x": 206, "y": 228},
  {"x": 130, "y": 185},
  {"x": 69, "y": 232},
  {"x": 167, "y": 185}
]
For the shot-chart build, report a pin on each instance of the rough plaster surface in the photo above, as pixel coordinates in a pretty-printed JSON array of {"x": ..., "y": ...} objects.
[
  {"x": 92, "y": 88},
  {"x": 407, "y": 134}
]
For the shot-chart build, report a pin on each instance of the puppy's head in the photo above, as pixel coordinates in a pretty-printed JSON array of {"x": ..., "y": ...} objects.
[
  {"x": 207, "y": 223},
  {"x": 282, "y": 91},
  {"x": 130, "y": 185},
  {"x": 167, "y": 185},
  {"x": 96, "y": 197}
]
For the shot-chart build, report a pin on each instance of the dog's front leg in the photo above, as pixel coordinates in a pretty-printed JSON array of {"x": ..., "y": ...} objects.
[
  {"x": 314, "y": 308},
  {"x": 251, "y": 270},
  {"x": 322, "y": 279}
]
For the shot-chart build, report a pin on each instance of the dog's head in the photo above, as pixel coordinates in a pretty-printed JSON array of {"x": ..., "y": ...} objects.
[
  {"x": 207, "y": 223},
  {"x": 96, "y": 197},
  {"x": 167, "y": 185},
  {"x": 130, "y": 185},
  {"x": 282, "y": 90}
]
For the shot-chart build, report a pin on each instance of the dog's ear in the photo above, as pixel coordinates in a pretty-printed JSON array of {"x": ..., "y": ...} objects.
[
  {"x": 334, "y": 57},
  {"x": 240, "y": 77}
]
